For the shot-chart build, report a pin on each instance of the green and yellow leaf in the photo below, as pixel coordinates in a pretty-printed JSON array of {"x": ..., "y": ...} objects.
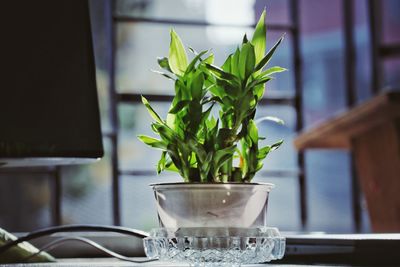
[
  {"x": 177, "y": 57},
  {"x": 259, "y": 38}
]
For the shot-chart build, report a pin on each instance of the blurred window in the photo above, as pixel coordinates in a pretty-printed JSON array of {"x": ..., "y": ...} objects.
[{"x": 87, "y": 190}]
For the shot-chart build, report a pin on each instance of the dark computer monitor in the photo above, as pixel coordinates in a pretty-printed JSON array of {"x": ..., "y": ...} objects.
[{"x": 49, "y": 111}]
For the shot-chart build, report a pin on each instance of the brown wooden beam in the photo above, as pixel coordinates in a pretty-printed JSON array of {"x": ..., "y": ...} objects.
[
  {"x": 377, "y": 156},
  {"x": 338, "y": 131}
]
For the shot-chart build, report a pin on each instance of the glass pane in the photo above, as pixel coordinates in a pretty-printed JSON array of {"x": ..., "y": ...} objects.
[
  {"x": 391, "y": 70},
  {"x": 25, "y": 201},
  {"x": 283, "y": 203},
  {"x": 328, "y": 172},
  {"x": 222, "y": 11},
  {"x": 391, "y": 21},
  {"x": 159, "y": 9},
  {"x": 139, "y": 45},
  {"x": 135, "y": 120},
  {"x": 87, "y": 191},
  {"x": 329, "y": 191},
  {"x": 363, "y": 51},
  {"x": 277, "y": 11},
  {"x": 285, "y": 157},
  {"x": 283, "y": 84},
  {"x": 323, "y": 59}
]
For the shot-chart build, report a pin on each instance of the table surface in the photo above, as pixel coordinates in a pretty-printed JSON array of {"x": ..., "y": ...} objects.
[
  {"x": 360, "y": 243},
  {"x": 112, "y": 262}
]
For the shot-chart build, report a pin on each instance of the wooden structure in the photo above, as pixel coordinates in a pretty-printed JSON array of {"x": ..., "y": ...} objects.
[{"x": 372, "y": 131}]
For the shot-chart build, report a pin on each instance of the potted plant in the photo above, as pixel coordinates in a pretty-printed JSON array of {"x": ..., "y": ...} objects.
[
  {"x": 210, "y": 137},
  {"x": 196, "y": 144}
]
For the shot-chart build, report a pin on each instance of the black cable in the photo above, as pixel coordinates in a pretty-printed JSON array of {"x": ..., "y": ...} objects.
[
  {"x": 74, "y": 228},
  {"x": 97, "y": 246}
]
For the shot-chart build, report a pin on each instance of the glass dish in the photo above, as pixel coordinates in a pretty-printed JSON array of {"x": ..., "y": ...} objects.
[{"x": 215, "y": 246}]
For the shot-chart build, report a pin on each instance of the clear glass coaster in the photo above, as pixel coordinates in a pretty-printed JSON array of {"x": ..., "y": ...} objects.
[{"x": 219, "y": 246}]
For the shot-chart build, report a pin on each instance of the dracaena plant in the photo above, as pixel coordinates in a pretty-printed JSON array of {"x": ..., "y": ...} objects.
[{"x": 202, "y": 147}]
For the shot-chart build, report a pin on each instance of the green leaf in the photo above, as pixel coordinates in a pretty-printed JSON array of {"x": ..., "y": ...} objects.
[
  {"x": 197, "y": 148},
  {"x": 235, "y": 62},
  {"x": 194, "y": 115},
  {"x": 206, "y": 114},
  {"x": 163, "y": 74},
  {"x": 191, "y": 49},
  {"x": 179, "y": 106},
  {"x": 163, "y": 63},
  {"x": 268, "y": 56},
  {"x": 245, "y": 105},
  {"x": 237, "y": 175},
  {"x": 194, "y": 61},
  {"x": 170, "y": 120},
  {"x": 222, "y": 155},
  {"x": 209, "y": 59},
  {"x": 227, "y": 64},
  {"x": 252, "y": 131},
  {"x": 211, "y": 127},
  {"x": 211, "y": 99},
  {"x": 276, "y": 145},
  {"x": 221, "y": 73},
  {"x": 177, "y": 55},
  {"x": 197, "y": 85},
  {"x": 170, "y": 166},
  {"x": 181, "y": 91},
  {"x": 225, "y": 137},
  {"x": 153, "y": 142},
  {"x": 230, "y": 89},
  {"x": 258, "y": 81},
  {"x": 166, "y": 133},
  {"x": 246, "y": 61},
  {"x": 259, "y": 38},
  {"x": 174, "y": 155},
  {"x": 244, "y": 158},
  {"x": 272, "y": 70},
  {"x": 263, "y": 152},
  {"x": 259, "y": 91},
  {"x": 205, "y": 167},
  {"x": 161, "y": 162},
  {"x": 151, "y": 111},
  {"x": 217, "y": 91},
  {"x": 222, "y": 160},
  {"x": 212, "y": 122}
]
